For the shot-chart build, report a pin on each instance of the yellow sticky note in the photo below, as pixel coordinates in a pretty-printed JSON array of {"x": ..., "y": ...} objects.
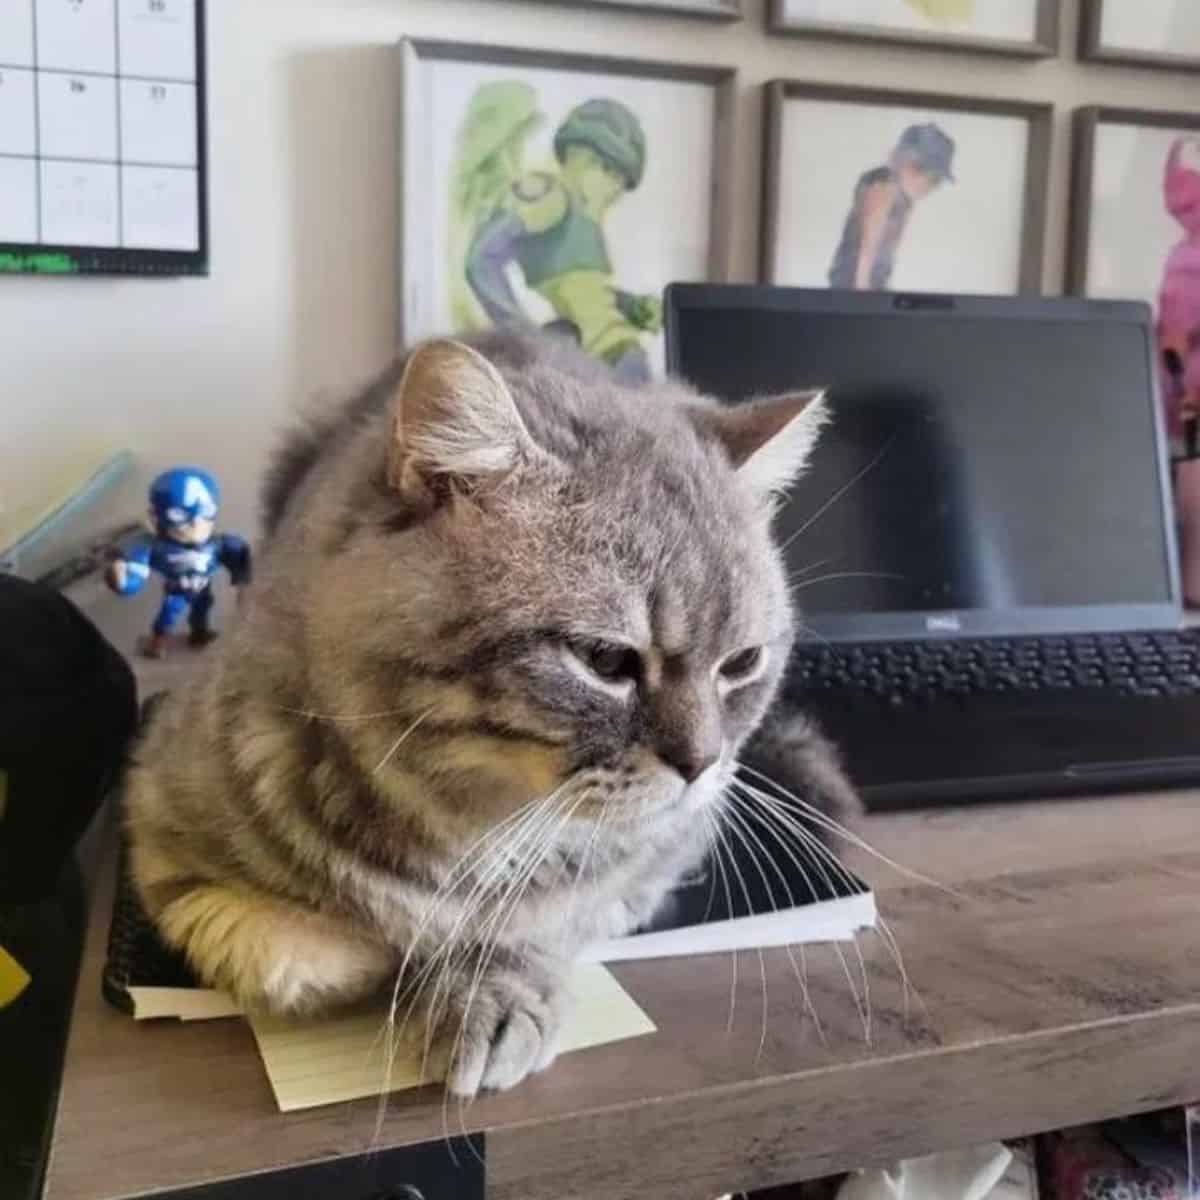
[
  {"x": 332, "y": 1059},
  {"x": 14, "y": 979}
]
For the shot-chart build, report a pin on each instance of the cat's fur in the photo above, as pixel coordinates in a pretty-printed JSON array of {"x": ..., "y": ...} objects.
[{"x": 327, "y": 803}]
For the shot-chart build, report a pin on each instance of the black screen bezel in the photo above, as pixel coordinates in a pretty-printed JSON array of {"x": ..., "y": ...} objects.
[{"x": 1016, "y": 621}]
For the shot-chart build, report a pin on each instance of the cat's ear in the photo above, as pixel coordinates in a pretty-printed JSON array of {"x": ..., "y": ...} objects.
[
  {"x": 453, "y": 418},
  {"x": 768, "y": 441}
]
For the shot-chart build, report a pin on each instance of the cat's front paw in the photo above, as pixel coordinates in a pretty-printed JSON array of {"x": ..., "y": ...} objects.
[{"x": 501, "y": 1027}]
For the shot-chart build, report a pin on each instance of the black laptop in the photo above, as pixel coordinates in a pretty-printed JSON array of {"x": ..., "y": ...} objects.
[{"x": 983, "y": 550}]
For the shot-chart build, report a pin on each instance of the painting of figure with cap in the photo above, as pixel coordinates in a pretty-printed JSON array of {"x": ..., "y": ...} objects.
[
  {"x": 550, "y": 224},
  {"x": 884, "y": 198},
  {"x": 555, "y": 201},
  {"x": 886, "y": 191}
]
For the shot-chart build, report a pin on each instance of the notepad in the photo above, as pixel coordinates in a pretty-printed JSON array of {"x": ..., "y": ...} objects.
[{"x": 333, "y": 1059}]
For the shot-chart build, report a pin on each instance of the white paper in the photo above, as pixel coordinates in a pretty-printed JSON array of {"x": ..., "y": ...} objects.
[
  {"x": 18, "y": 124},
  {"x": 158, "y": 38},
  {"x": 160, "y": 208},
  {"x": 18, "y": 200},
  {"x": 158, "y": 123},
  {"x": 79, "y": 204},
  {"x": 76, "y": 35},
  {"x": 16, "y": 33},
  {"x": 77, "y": 116}
]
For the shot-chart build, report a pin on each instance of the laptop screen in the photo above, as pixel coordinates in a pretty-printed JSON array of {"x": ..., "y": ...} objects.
[{"x": 984, "y": 470}]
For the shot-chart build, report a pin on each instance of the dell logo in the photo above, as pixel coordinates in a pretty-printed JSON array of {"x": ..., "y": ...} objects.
[{"x": 946, "y": 623}]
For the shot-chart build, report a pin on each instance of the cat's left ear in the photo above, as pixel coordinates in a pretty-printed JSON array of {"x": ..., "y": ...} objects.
[
  {"x": 770, "y": 441},
  {"x": 453, "y": 418}
]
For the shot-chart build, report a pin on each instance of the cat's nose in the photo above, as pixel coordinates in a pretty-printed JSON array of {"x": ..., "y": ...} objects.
[{"x": 690, "y": 761}]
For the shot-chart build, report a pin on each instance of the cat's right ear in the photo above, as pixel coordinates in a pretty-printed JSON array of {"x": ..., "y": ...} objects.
[
  {"x": 453, "y": 420},
  {"x": 768, "y": 442}
]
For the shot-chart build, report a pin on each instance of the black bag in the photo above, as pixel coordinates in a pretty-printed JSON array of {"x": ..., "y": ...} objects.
[{"x": 68, "y": 707}]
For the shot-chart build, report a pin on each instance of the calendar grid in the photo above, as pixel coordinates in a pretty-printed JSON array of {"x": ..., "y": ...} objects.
[
  {"x": 15, "y": 66},
  {"x": 102, "y": 156}
]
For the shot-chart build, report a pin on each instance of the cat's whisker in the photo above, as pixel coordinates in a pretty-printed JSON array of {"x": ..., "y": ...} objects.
[
  {"x": 719, "y": 848},
  {"x": 505, "y": 910},
  {"x": 824, "y": 508},
  {"x": 866, "y": 982},
  {"x": 501, "y": 881},
  {"x": 741, "y": 880},
  {"x": 494, "y": 875},
  {"x": 814, "y": 844},
  {"x": 487, "y": 951},
  {"x": 587, "y": 850},
  {"x": 823, "y": 821},
  {"x": 858, "y": 1002},
  {"x": 799, "y": 586},
  {"x": 383, "y": 762},
  {"x": 505, "y": 836},
  {"x": 310, "y": 715},
  {"x": 744, "y": 833},
  {"x": 785, "y": 824},
  {"x": 801, "y": 972},
  {"x": 813, "y": 566},
  {"x": 863, "y": 1005}
]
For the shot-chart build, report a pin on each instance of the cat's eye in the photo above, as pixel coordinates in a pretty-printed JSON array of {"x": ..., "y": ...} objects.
[
  {"x": 611, "y": 661},
  {"x": 739, "y": 667}
]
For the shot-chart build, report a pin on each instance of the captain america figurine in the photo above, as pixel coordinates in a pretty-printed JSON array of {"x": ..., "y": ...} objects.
[{"x": 184, "y": 550}]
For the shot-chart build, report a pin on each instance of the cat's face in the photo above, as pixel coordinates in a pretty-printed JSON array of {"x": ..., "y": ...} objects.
[{"x": 590, "y": 606}]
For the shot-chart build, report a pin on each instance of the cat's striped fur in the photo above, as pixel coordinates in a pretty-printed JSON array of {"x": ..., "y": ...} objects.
[{"x": 412, "y": 752}]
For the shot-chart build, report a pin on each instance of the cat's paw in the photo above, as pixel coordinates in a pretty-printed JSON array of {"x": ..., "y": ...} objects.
[{"x": 501, "y": 1027}]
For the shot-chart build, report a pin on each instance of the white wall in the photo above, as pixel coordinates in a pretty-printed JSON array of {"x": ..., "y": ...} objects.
[{"x": 300, "y": 299}]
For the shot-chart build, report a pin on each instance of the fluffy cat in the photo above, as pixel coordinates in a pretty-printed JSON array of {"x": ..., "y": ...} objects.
[{"x": 513, "y": 626}]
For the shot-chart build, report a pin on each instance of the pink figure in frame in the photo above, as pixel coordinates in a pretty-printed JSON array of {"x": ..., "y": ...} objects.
[{"x": 1179, "y": 299}]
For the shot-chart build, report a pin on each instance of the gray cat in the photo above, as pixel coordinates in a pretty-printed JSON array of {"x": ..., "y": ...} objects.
[{"x": 513, "y": 626}]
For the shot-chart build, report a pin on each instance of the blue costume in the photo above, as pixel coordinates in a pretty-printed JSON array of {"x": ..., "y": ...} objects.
[{"x": 178, "y": 498}]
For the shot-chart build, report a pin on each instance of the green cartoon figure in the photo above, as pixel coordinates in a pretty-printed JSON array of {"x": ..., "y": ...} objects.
[{"x": 548, "y": 224}]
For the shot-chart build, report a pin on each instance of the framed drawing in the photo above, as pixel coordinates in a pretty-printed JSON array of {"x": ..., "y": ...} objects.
[
  {"x": 718, "y": 10},
  {"x": 1026, "y": 28},
  {"x": 903, "y": 191},
  {"x": 558, "y": 190},
  {"x": 1150, "y": 33},
  {"x": 1135, "y": 231}
]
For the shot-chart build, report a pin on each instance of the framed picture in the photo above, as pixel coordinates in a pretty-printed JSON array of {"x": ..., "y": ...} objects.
[
  {"x": 1135, "y": 231},
  {"x": 1027, "y": 28},
  {"x": 903, "y": 191},
  {"x": 719, "y": 10},
  {"x": 1150, "y": 33},
  {"x": 559, "y": 191}
]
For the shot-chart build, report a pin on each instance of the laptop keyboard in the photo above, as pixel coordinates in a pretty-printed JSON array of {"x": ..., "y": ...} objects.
[{"x": 904, "y": 673}]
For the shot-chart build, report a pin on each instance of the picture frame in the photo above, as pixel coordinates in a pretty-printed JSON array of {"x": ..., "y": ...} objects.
[
  {"x": 921, "y": 115},
  {"x": 519, "y": 188},
  {"x": 909, "y": 29},
  {"x": 1134, "y": 45},
  {"x": 711, "y": 10},
  {"x": 1135, "y": 230}
]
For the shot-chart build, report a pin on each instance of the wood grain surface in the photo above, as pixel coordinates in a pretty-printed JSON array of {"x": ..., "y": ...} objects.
[{"x": 1058, "y": 982}]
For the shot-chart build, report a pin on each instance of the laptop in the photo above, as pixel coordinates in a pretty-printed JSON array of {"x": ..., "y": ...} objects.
[{"x": 982, "y": 550}]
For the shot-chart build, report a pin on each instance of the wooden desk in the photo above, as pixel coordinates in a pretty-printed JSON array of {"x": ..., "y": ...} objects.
[{"x": 1062, "y": 985}]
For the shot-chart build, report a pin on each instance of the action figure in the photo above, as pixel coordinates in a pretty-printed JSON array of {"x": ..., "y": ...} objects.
[
  {"x": 1179, "y": 297},
  {"x": 550, "y": 224},
  {"x": 884, "y": 198},
  {"x": 185, "y": 552}
]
